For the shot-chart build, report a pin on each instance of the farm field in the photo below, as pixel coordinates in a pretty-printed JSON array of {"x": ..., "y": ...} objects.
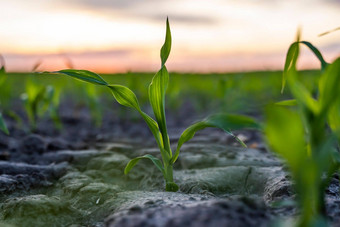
[
  {"x": 72, "y": 173},
  {"x": 225, "y": 121}
]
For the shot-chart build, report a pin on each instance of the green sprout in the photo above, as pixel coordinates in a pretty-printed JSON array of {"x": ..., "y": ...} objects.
[
  {"x": 158, "y": 127},
  {"x": 304, "y": 131},
  {"x": 40, "y": 99},
  {"x": 3, "y": 126},
  {"x": 93, "y": 102}
]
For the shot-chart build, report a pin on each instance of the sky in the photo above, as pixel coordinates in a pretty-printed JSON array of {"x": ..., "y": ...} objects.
[{"x": 109, "y": 36}]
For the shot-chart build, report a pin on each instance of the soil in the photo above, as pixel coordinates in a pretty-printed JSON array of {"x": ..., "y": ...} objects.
[{"x": 74, "y": 177}]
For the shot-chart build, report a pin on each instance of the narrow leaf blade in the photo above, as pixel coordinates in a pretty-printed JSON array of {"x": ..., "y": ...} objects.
[
  {"x": 226, "y": 122},
  {"x": 165, "y": 50},
  {"x": 83, "y": 75},
  {"x": 124, "y": 96},
  {"x": 134, "y": 161},
  {"x": 290, "y": 62},
  {"x": 329, "y": 85},
  {"x": 284, "y": 125},
  {"x": 290, "y": 102},
  {"x": 153, "y": 126},
  {"x": 3, "y": 126},
  {"x": 157, "y": 91},
  {"x": 317, "y": 54},
  {"x": 302, "y": 95}
]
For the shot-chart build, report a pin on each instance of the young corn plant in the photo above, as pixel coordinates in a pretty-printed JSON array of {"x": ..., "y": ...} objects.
[
  {"x": 93, "y": 102},
  {"x": 158, "y": 127},
  {"x": 3, "y": 126},
  {"x": 40, "y": 99},
  {"x": 305, "y": 132}
]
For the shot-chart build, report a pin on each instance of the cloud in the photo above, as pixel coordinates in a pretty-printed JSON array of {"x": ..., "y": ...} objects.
[
  {"x": 185, "y": 19},
  {"x": 145, "y": 9},
  {"x": 113, "y": 4}
]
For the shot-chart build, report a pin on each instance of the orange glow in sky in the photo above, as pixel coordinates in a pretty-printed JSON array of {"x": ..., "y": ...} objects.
[{"x": 119, "y": 36}]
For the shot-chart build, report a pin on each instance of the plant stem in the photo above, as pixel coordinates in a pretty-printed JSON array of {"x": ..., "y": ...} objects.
[
  {"x": 169, "y": 174},
  {"x": 170, "y": 185}
]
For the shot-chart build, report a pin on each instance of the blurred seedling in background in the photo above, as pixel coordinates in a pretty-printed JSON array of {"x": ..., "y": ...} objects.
[
  {"x": 305, "y": 132},
  {"x": 158, "y": 127},
  {"x": 40, "y": 99},
  {"x": 93, "y": 102},
  {"x": 3, "y": 126}
]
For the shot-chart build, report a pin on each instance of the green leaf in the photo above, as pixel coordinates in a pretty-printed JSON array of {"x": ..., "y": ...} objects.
[
  {"x": 134, "y": 161},
  {"x": 157, "y": 91},
  {"x": 285, "y": 135},
  {"x": 290, "y": 102},
  {"x": 153, "y": 126},
  {"x": 292, "y": 56},
  {"x": 302, "y": 95},
  {"x": 299, "y": 91},
  {"x": 83, "y": 75},
  {"x": 226, "y": 122},
  {"x": 329, "y": 85},
  {"x": 126, "y": 97},
  {"x": 2, "y": 75},
  {"x": 334, "y": 119},
  {"x": 165, "y": 51},
  {"x": 3, "y": 126},
  {"x": 317, "y": 54},
  {"x": 290, "y": 63}
]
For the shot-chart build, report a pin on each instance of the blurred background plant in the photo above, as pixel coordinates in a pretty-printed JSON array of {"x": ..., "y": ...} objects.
[{"x": 304, "y": 131}]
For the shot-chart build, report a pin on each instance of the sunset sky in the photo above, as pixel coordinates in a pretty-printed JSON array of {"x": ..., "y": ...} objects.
[{"x": 208, "y": 36}]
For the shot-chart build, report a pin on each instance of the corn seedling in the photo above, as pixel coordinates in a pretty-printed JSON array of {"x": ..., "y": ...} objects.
[
  {"x": 304, "y": 131},
  {"x": 40, "y": 99},
  {"x": 158, "y": 127},
  {"x": 5, "y": 97},
  {"x": 93, "y": 102},
  {"x": 52, "y": 102},
  {"x": 3, "y": 126}
]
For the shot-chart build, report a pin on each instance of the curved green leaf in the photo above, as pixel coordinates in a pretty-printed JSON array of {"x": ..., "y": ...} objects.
[
  {"x": 134, "y": 161},
  {"x": 3, "y": 126},
  {"x": 157, "y": 91},
  {"x": 302, "y": 95},
  {"x": 329, "y": 85},
  {"x": 153, "y": 126},
  {"x": 292, "y": 56},
  {"x": 290, "y": 102},
  {"x": 285, "y": 134},
  {"x": 83, "y": 75},
  {"x": 124, "y": 96},
  {"x": 317, "y": 54},
  {"x": 226, "y": 122},
  {"x": 290, "y": 63},
  {"x": 165, "y": 50}
]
